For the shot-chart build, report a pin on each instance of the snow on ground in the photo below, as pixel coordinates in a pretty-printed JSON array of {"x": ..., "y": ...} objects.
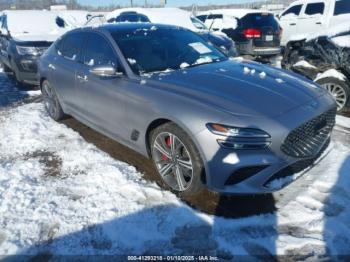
[{"x": 61, "y": 195}]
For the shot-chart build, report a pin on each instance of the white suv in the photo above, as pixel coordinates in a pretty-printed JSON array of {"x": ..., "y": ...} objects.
[{"x": 306, "y": 17}]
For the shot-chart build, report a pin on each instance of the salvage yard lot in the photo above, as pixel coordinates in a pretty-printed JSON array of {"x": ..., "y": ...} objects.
[{"x": 64, "y": 189}]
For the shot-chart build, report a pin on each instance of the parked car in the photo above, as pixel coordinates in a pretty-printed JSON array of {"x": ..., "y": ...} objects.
[
  {"x": 254, "y": 32},
  {"x": 24, "y": 36},
  {"x": 173, "y": 16},
  {"x": 325, "y": 58},
  {"x": 306, "y": 17},
  {"x": 204, "y": 119}
]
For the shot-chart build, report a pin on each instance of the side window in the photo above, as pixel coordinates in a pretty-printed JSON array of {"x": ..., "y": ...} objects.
[
  {"x": 98, "y": 52},
  {"x": 294, "y": 10},
  {"x": 202, "y": 17},
  {"x": 70, "y": 46},
  {"x": 314, "y": 9},
  {"x": 342, "y": 7}
]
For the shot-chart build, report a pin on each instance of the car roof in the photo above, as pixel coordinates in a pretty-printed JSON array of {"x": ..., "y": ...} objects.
[
  {"x": 167, "y": 15},
  {"x": 115, "y": 27},
  {"x": 238, "y": 13}
]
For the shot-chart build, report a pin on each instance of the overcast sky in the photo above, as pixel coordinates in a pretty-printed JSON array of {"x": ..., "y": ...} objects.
[{"x": 170, "y": 2}]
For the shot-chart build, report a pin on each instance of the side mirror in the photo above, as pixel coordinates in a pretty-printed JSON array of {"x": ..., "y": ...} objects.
[{"x": 105, "y": 71}]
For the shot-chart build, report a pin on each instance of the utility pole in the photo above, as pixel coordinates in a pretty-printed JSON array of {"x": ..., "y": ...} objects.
[
  {"x": 131, "y": 3},
  {"x": 146, "y": 3}
]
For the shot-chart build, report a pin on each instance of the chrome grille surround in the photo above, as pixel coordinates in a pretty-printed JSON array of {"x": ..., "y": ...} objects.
[{"x": 308, "y": 139}]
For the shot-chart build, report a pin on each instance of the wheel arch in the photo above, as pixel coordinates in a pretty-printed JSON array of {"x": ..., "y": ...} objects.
[{"x": 163, "y": 120}]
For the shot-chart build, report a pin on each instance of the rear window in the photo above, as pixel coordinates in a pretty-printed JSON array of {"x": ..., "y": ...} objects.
[
  {"x": 342, "y": 7},
  {"x": 209, "y": 17},
  {"x": 259, "y": 20},
  {"x": 294, "y": 10},
  {"x": 132, "y": 18},
  {"x": 314, "y": 9}
]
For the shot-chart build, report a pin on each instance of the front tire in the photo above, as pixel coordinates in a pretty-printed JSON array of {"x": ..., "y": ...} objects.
[
  {"x": 338, "y": 89},
  {"x": 177, "y": 160},
  {"x": 51, "y": 101}
]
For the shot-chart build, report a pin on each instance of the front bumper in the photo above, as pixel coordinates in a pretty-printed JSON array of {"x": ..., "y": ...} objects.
[{"x": 254, "y": 171}]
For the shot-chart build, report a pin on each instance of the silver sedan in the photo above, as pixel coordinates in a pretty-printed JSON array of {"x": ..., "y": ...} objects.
[{"x": 206, "y": 120}]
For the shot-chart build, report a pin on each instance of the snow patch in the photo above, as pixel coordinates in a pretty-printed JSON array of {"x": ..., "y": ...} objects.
[
  {"x": 331, "y": 73},
  {"x": 304, "y": 64}
]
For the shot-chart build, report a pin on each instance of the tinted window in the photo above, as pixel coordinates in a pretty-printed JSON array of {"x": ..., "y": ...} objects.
[
  {"x": 132, "y": 18},
  {"x": 202, "y": 17},
  {"x": 342, "y": 7},
  {"x": 159, "y": 49},
  {"x": 314, "y": 8},
  {"x": 259, "y": 20},
  {"x": 70, "y": 46},
  {"x": 295, "y": 10},
  {"x": 98, "y": 52}
]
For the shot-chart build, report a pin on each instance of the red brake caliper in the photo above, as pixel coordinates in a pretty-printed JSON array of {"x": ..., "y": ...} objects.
[{"x": 168, "y": 143}]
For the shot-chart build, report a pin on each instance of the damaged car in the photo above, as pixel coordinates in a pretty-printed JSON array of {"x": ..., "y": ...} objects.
[
  {"x": 24, "y": 37},
  {"x": 325, "y": 59}
]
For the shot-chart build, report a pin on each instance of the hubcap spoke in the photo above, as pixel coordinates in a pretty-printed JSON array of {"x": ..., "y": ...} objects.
[
  {"x": 179, "y": 178},
  {"x": 162, "y": 150},
  {"x": 185, "y": 163},
  {"x": 165, "y": 169}
]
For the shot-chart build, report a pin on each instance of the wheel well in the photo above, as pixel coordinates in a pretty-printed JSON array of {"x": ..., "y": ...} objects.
[{"x": 156, "y": 123}]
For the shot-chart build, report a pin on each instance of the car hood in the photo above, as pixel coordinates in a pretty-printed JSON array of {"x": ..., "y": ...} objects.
[{"x": 241, "y": 87}]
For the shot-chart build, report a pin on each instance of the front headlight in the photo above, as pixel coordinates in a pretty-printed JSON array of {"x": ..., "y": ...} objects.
[
  {"x": 240, "y": 138},
  {"x": 27, "y": 50}
]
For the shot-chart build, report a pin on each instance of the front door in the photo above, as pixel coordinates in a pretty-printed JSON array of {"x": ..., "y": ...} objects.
[{"x": 103, "y": 97}]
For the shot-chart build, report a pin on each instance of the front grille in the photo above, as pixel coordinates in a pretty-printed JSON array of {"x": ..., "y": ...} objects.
[{"x": 308, "y": 139}]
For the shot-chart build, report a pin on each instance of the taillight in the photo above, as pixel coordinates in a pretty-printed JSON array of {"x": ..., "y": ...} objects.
[{"x": 252, "y": 33}]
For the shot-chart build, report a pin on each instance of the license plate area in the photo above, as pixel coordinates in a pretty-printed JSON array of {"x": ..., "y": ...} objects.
[{"x": 269, "y": 38}]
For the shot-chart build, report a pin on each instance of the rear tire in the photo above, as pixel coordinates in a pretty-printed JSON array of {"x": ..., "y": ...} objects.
[
  {"x": 338, "y": 89},
  {"x": 51, "y": 101},
  {"x": 177, "y": 160}
]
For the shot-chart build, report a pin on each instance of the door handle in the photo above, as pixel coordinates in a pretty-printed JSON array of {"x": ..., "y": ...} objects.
[
  {"x": 293, "y": 24},
  {"x": 82, "y": 78},
  {"x": 319, "y": 23}
]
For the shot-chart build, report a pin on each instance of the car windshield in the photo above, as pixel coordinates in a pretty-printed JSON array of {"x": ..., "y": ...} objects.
[{"x": 150, "y": 50}]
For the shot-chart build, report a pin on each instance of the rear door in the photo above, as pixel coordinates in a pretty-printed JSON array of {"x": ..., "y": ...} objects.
[
  {"x": 288, "y": 21},
  {"x": 103, "y": 97},
  {"x": 313, "y": 18}
]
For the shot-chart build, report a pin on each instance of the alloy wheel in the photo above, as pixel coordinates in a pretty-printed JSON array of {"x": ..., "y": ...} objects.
[
  {"x": 338, "y": 93},
  {"x": 173, "y": 161},
  {"x": 49, "y": 100}
]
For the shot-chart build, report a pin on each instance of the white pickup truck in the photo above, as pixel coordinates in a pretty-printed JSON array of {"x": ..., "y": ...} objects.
[{"x": 304, "y": 17}]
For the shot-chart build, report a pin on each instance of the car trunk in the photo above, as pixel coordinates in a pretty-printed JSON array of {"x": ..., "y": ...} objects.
[{"x": 262, "y": 29}]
